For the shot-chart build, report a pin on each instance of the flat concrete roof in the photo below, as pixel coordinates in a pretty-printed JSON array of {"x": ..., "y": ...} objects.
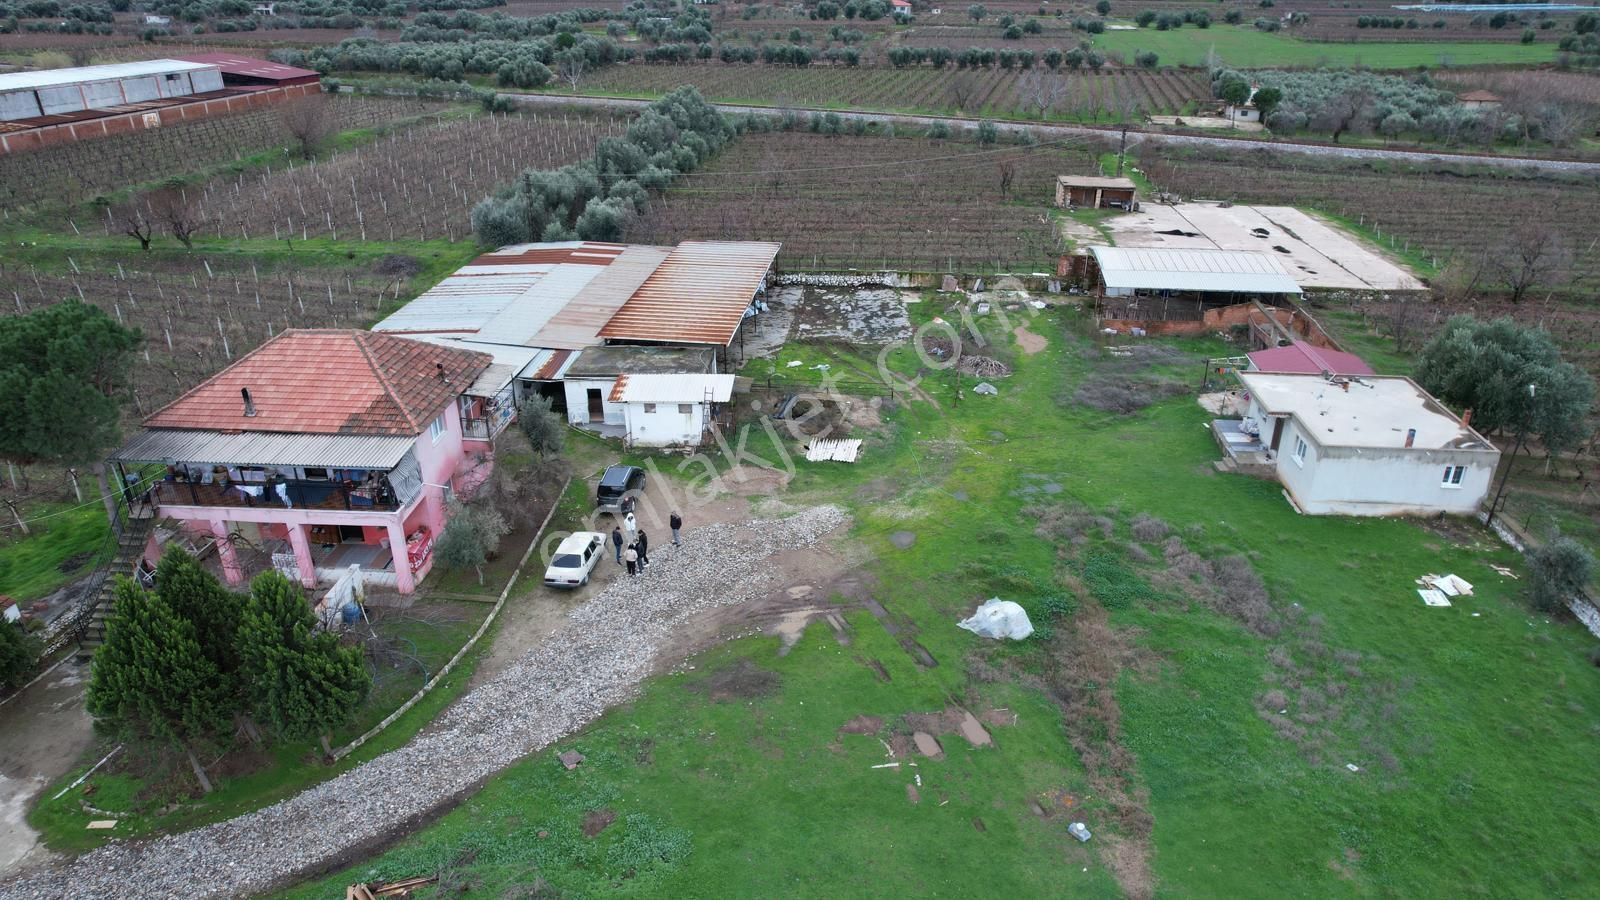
[
  {"x": 47, "y": 78},
  {"x": 1373, "y": 411},
  {"x": 1316, "y": 253},
  {"x": 1095, "y": 181},
  {"x": 1212, "y": 271},
  {"x": 608, "y": 362}
]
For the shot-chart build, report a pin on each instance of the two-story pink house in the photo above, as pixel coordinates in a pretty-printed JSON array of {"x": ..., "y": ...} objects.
[{"x": 341, "y": 444}]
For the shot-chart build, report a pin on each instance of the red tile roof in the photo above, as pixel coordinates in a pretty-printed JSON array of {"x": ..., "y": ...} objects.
[
  {"x": 329, "y": 381},
  {"x": 1302, "y": 358}
]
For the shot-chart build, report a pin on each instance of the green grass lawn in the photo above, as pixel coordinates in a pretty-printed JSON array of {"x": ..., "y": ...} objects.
[
  {"x": 133, "y": 792},
  {"x": 1243, "y": 45},
  {"x": 1468, "y": 726},
  {"x": 65, "y": 542}
]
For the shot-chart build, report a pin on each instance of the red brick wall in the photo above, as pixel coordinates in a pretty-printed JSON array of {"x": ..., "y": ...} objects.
[{"x": 108, "y": 126}]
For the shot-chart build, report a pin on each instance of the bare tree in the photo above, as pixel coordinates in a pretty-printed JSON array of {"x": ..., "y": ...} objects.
[
  {"x": 309, "y": 121},
  {"x": 1130, "y": 108},
  {"x": 961, "y": 90},
  {"x": 1533, "y": 255},
  {"x": 136, "y": 222},
  {"x": 1042, "y": 89},
  {"x": 1007, "y": 169},
  {"x": 173, "y": 208},
  {"x": 1563, "y": 123},
  {"x": 571, "y": 65},
  {"x": 1345, "y": 112}
]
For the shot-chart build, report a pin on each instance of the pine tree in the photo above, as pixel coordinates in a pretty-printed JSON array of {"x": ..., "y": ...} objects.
[
  {"x": 18, "y": 655},
  {"x": 300, "y": 683},
  {"x": 151, "y": 679}
]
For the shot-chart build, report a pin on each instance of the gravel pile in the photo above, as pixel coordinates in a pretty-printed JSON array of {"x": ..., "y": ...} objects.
[{"x": 598, "y": 661}]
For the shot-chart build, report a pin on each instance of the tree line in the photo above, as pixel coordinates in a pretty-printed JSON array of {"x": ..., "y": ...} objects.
[{"x": 593, "y": 200}]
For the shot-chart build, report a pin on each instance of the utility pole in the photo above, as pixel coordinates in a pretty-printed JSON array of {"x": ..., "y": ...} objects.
[
  {"x": 1122, "y": 150},
  {"x": 1505, "y": 476}
]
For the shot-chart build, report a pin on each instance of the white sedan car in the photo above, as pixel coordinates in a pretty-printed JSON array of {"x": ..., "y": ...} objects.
[{"x": 574, "y": 559}]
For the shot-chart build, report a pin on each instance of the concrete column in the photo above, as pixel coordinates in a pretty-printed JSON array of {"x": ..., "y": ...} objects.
[
  {"x": 302, "y": 555},
  {"x": 402, "y": 561},
  {"x": 230, "y": 560}
]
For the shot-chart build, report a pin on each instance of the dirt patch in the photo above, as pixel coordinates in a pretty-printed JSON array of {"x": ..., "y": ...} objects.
[
  {"x": 74, "y": 562},
  {"x": 878, "y": 489},
  {"x": 596, "y": 821},
  {"x": 951, "y": 720},
  {"x": 999, "y": 718},
  {"x": 862, "y": 725},
  {"x": 1029, "y": 342},
  {"x": 740, "y": 681},
  {"x": 977, "y": 823},
  {"x": 913, "y": 795},
  {"x": 903, "y": 539},
  {"x": 882, "y": 673}
]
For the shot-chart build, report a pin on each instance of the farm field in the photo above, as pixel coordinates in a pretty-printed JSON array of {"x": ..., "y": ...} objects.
[
  {"x": 70, "y": 175},
  {"x": 1432, "y": 215},
  {"x": 1084, "y": 97},
  {"x": 1243, "y": 45},
  {"x": 846, "y": 202},
  {"x": 416, "y": 183},
  {"x": 202, "y": 310},
  {"x": 1312, "y": 741}
]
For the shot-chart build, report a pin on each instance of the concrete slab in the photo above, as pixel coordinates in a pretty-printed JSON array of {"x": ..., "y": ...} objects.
[
  {"x": 1208, "y": 122},
  {"x": 927, "y": 744},
  {"x": 1316, "y": 253}
]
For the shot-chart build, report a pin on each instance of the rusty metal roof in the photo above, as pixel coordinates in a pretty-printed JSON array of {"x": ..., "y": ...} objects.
[
  {"x": 698, "y": 295},
  {"x": 592, "y": 253},
  {"x": 252, "y": 67}
]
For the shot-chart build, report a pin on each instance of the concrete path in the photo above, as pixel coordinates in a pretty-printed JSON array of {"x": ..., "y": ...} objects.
[
  {"x": 43, "y": 732},
  {"x": 1135, "y": 137}
]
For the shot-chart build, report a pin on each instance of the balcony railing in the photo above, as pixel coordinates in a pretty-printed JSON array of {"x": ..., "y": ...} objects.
[{"x": 280, "y": 494}]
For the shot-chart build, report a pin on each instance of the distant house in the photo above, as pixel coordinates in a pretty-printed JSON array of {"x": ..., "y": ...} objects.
[
  {"x": 1094, "y": 192},
  {"x": 1361, "y": 446},
  {"x": 1302, "y": 358},
  {"x": 339, "y": 446},
  {"x": 901, "y": 8},
  {"x": 266, "y": 9},
  {"x": 1479, "y": 100},
  {"x": 153, "y": 19},
  {"x": 1243, "y": 112}
]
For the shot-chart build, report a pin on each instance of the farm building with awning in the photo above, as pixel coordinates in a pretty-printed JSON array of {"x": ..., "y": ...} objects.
[
  {"x": 1152, "y": 286},
  {"x": 565, "y": 320}
]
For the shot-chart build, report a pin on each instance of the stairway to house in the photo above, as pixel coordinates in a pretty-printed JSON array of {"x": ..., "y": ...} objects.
[{"x": 130, "y": 543}]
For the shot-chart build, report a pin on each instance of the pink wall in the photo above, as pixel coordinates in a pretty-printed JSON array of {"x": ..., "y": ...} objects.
[{"x": 438, "y": 460}]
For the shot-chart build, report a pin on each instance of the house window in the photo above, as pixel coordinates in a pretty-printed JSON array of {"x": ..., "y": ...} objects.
[
  {"x": 686, "y": 408},
  {"x": 649, "y": 407},
  {"x": 1299, "y": 451},
  {"x": 436, "y": 430},
  {"x": 316, "y": 474},
  {"x": 1452, "y": 476}
]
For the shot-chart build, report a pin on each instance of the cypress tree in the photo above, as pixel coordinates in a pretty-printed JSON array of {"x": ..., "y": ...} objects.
[
  {"x": 199, "y": 597},
  {"x": 151, "y": 679},
  {"x": 300, "y": 683}
]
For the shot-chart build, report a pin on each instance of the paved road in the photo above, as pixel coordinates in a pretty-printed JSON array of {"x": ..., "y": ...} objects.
[{"x": 1134, "y": 137}]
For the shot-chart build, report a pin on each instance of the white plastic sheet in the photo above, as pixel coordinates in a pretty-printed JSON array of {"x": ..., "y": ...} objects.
[{"x": 998, "y": 619}]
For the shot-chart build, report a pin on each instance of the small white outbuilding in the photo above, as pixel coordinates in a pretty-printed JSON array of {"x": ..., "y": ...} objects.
[{"x": 671, "y": 409}]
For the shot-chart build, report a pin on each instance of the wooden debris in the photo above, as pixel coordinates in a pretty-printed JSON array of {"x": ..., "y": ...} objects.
[{"x": 373, "y": 890}]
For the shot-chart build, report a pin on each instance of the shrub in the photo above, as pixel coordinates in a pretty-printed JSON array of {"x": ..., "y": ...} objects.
[
  {"x": 1149, "y": 529},
  {"x": 1558, "y": 571},
  {"x": 1146, "y": 59}
]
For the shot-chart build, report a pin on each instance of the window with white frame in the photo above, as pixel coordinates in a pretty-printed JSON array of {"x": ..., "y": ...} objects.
[
  {"x": 649, "y": 407},
  {"x": 1299, "y": 451},
  {"x": 686, "y": 408},
  {"x": 436, "y": 430},
  {"x": 1453, "y": 476}
]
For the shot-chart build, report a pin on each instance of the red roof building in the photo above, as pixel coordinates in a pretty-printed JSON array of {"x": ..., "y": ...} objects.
[
  {"x": 1302, "y": 358},
  {"x": 328, "y": 381},
  {"x": 243, "y": 71}
]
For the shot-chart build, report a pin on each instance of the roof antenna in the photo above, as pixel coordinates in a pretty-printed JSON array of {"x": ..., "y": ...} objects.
[{"x": 249, "y": 403}]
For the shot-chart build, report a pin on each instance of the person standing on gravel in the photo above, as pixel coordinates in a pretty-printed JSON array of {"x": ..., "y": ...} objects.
[
  {"x": 643, "y": 545},
  {"x": 676, "y": 521},
  {"x": 631, "y": 556},
  {"x": 616, "y": 541}
]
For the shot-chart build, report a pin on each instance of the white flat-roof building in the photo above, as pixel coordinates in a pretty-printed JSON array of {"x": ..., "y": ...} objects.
[
  {"x": 51, "y": 92},
  {"x": 1366, "y": 446},
  {"x": 1136, "y": 271}
]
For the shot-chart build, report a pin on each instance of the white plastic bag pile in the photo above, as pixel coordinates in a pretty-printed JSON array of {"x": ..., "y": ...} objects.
[{"x": 998, "y": 619}]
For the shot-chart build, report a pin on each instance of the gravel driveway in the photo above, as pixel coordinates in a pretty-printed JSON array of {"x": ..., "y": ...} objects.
[{"x": 606, "y": 650}]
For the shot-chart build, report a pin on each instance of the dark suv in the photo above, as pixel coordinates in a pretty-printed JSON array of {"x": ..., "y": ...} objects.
[{"x": 617, "y": 482}]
